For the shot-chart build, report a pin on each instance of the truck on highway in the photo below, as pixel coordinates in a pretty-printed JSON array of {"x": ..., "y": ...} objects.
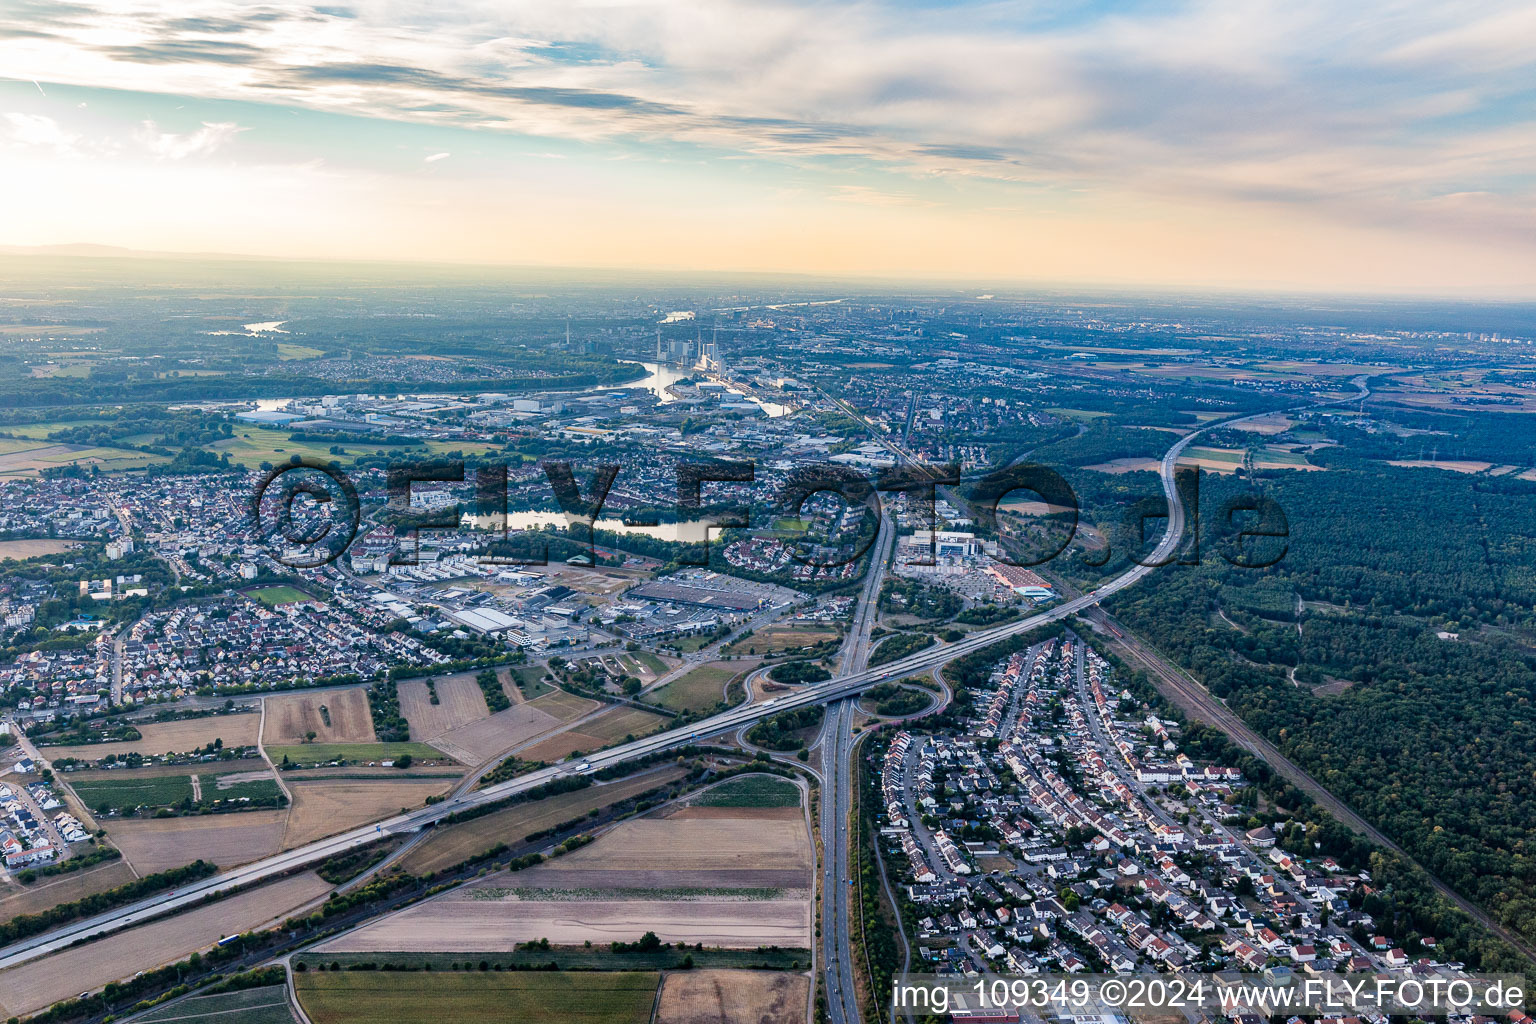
[{"x": 584, "y": 767}]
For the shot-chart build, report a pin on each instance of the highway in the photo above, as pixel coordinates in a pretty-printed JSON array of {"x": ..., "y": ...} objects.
[
  {"x": 847, "y": 685},
  {"x": 839, "y": 777}
]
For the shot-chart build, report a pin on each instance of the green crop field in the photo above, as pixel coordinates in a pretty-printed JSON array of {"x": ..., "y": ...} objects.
[
  {"x": 274, "y": 596},
  {"x": 129, "y": 792},
  {"x": 752, "y": 791},
  {"x": 311, "y": 753},
  {"x": 267, "y": 1005},
  {"x": 261, "y": 789},
  {"x": 699, "y": 690},
  {"x": 517, "y": 997}
]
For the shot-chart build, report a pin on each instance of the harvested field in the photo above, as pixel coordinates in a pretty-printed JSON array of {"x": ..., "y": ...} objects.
[
  {"x": 478, "y": 742},
  {"x": 448, "y": 846},
  {"x": 37, "y": 984},
  {"x": 18, "y": 549},
  {"x": 563, "y": 745},
  {"x": 495, "y": 926},
  {"x": 1452, "y": 465},
  {"x": 49, "y": 892},
  {"x": 290, "y": 716},
  {"x": 228, "y": 840},
  {"x": 1126, "y": 465},
  {"x": 460, "y": 702},
  {"x": 565, "y": 706},
  {"x": 707, "y": 847},
  {"x": 621, "y": 721},
  {"x": 177, "y": 737},
  {"x": 751, "y": 997},
  {"x": 514, "y": 997},
  {"x": 324, "y": 807}
]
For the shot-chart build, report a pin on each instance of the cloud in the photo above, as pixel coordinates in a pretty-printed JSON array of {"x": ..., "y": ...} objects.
[
  {"x": 866, "y": 196},
  {"x": 1366, "y": 111},
  {"x": 171, "y": 146},
  {"x": 34, "y": 131},
  {"x": 435, "y": 157}
]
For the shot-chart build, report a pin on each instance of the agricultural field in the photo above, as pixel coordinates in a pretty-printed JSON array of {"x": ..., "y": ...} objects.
[
  {"x": 323, "y": 807},
  {"x": 324, "y": 753},
  {"x": 178, "y": 737},
  {"x": 287, "y": 350},
  {"x": 708, "y": 997},
  {"x": 454, "y": 843},
  {"x": 251, "y": 785},
  {"x": 513, "y": 997},
  {"x": 699, "y": 690},
  {"x": 15, "y": 550},
  {"x": 751, "y": 791},
  {"x": 18, "y": 458},
  {"x": 16, "y": 899},
  {"x": 228, "y": 840},
  {"x": 479, "y": 741},
  {"x": 460, "y": 702},
  {"x": 268, "y": 1005},
  {"x": 274, "y": 596},
  {"x": 126, "y": 790},
  {"x": 39, "y": 983},
  {"x": 607, "y": 727},
  {"x": 334, "y": 716},
  {"x": 733, "y": 877}
]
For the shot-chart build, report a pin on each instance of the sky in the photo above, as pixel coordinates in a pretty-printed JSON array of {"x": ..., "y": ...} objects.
[{"x": 1378, "y": 146}]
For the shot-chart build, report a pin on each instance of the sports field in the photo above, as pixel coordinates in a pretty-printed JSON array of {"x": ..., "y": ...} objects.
[
  {"x": 472, "y": 997},
  {"x": 274, "y": 596}
]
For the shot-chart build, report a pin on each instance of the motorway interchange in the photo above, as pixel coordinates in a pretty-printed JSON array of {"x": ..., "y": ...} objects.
[{"x": 852, "y": 681}]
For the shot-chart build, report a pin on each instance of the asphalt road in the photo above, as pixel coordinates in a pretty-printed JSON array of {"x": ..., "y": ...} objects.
[
  {"x": 840, "y": 777},
  {"x": 831, "y": 690}
]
